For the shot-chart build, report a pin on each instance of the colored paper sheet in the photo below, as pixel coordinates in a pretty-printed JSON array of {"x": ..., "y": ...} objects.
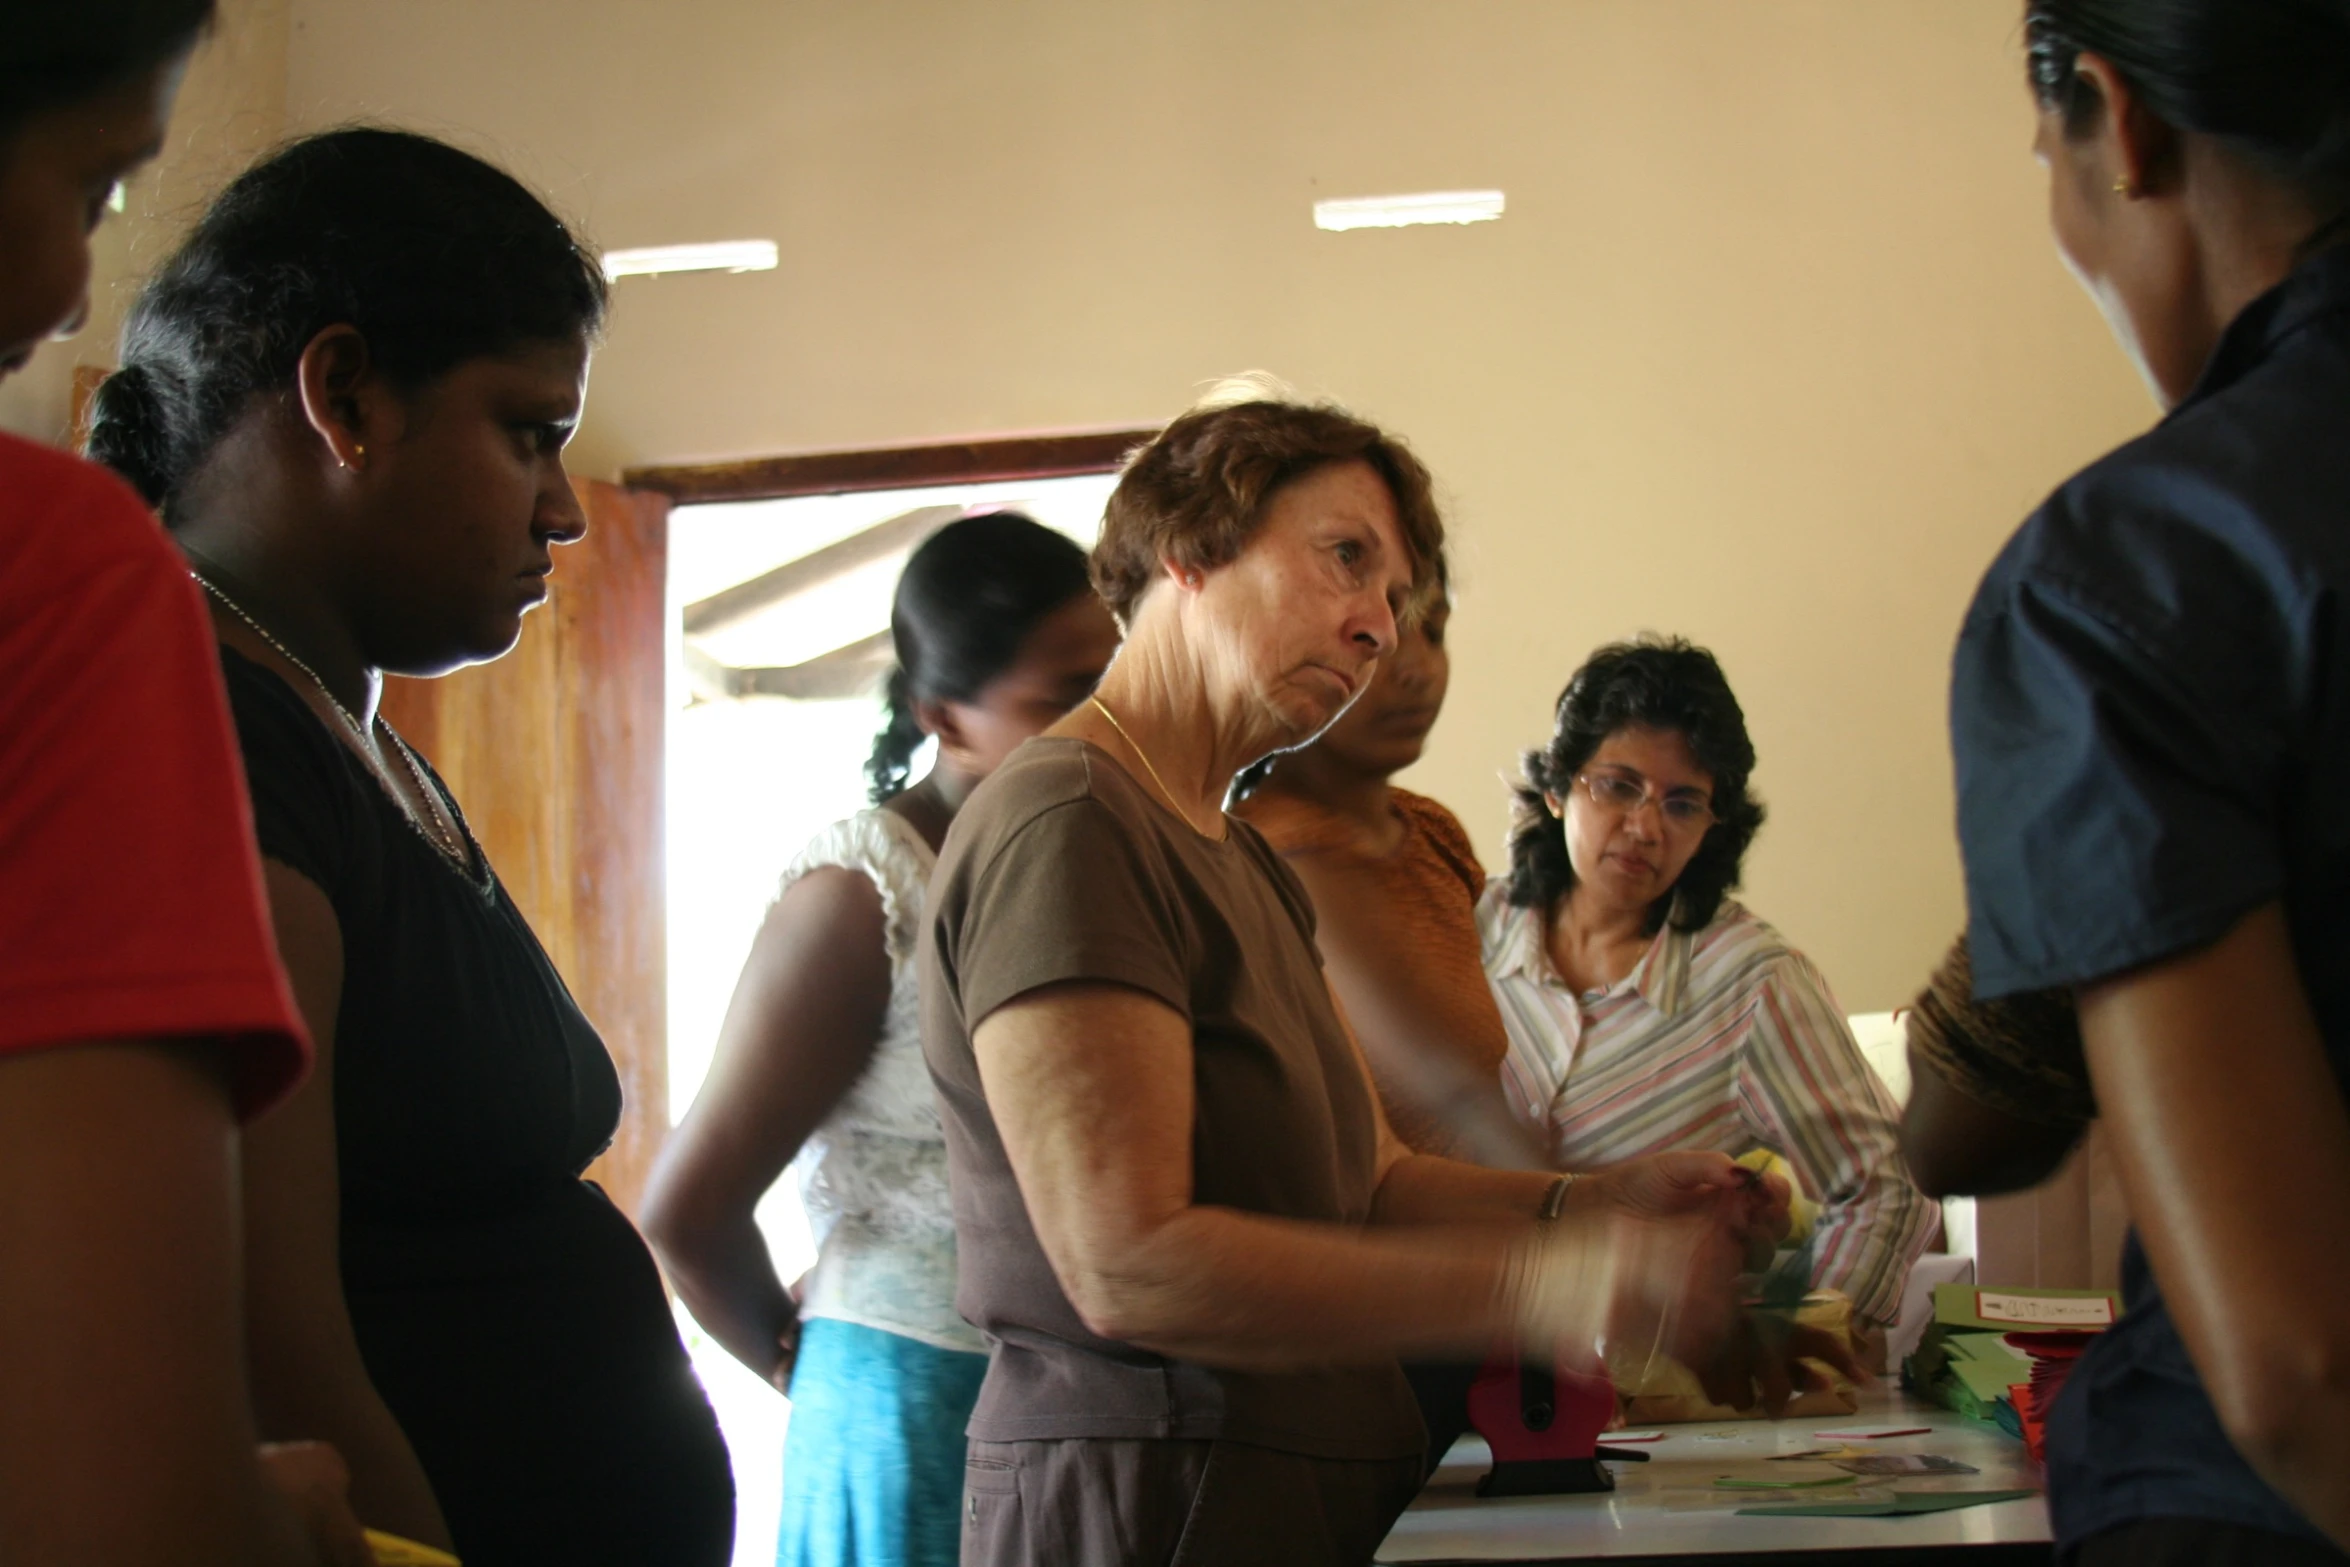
[
  {"x": 1905, "y": 1464},
  {"x": 1735, "y": 1483},
  {"x": 1900, "y": 1503}
]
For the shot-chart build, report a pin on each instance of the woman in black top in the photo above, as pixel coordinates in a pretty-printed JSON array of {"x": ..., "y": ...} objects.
[
  {"x": 349, "y": 393},
  {"x": 2151, "y": 709}
]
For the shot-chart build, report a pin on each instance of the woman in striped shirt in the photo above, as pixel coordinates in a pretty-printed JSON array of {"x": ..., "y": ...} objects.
[{"x": 1648, "y": 1011}]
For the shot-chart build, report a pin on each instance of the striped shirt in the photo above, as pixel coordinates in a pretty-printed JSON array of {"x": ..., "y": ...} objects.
[{"x": 1723, "y": 1038}]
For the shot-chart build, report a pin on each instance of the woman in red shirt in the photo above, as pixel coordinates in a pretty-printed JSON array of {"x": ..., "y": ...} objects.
[{"x": 142, "y": 1012}]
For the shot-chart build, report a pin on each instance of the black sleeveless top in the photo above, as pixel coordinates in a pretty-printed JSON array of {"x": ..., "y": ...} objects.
[{"x": 510, "y": 1316}]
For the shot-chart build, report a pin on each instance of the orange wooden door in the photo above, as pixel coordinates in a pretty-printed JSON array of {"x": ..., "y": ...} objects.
[{"x": 555, "y": 752}]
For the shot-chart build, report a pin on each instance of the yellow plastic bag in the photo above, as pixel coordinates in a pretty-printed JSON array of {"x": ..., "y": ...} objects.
[
  {"x": 393, "y": 1551},
  {"x": 1670, "y": 1393}
]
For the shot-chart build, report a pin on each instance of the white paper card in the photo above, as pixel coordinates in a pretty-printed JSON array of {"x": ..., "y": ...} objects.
[{"x": 2045, "y": 1311}]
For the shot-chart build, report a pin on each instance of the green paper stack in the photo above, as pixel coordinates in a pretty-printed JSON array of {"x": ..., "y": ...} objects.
[
  {"x": 1966, "y": 1372},
  {"x": 1964, "y": 1362}
]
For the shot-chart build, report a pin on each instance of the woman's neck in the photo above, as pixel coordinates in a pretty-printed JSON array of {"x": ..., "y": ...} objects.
[
  {"x": 1365, "y": 801},
  {"x": 929, "y": 807},
  {"x": 248, "y": 530},
  {"x": 1594, "y": 946},
  {"x": 1162, "y": 723},
  {"x": 282, "y": 612}
]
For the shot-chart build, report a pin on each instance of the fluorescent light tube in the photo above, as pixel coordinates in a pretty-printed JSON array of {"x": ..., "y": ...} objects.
[
  {"x": 726, "y": 255},
  {"x": 1395, "y": 212}
]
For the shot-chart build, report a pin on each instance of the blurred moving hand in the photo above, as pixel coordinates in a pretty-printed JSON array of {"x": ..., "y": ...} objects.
[
  {"x": 1759, "y": 1209},
  {"x": 1651, "y": 1267}
]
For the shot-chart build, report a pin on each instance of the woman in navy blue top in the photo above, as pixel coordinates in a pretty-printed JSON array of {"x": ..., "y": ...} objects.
[{"x": 2151, "y": 713}]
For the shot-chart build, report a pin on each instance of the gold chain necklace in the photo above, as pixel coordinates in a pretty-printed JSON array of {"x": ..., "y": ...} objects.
[
  {"x": 1145, "y": 758},
  {"x": 440, "y": 836}
]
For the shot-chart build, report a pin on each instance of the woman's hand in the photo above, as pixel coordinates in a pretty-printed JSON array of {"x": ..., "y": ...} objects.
[
  {"x": 787, "y": 1343},
  {"x": 1757, "y": 1208},
  {"x": 316, "y": 1484},
  {"x": 1618, "y": 1287},
  {"x": 1764, "y": 1360}
]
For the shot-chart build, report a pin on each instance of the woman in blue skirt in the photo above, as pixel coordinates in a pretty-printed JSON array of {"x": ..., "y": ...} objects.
[{"x": 999, "y": 633}]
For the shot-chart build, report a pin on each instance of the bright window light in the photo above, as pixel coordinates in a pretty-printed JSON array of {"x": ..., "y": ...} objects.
[
  {"x": 1395, "y": 212},
  {"x": 726, "y": 255}
]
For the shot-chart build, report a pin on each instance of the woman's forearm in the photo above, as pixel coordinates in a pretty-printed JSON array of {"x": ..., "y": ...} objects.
[
  {"x": 1245, "y": 1291},
  {"x": 727, "y": 1279},
  {"x": 1421, "y": 1189},
  {"x": 2234, "y": 1146},
  {"x": 1954, "y": 1144},
  {"x": 310, "y": 1381},
  {"x": 1479, "y": 1129}
]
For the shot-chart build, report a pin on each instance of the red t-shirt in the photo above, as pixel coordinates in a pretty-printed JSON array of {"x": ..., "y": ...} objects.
[{"x": 130, "y": 893}]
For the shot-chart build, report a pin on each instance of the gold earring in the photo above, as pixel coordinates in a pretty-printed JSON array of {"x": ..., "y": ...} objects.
[{"x": 2123, "y": 187}]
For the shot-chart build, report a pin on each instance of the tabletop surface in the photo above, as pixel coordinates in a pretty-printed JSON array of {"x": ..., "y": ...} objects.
[{"x": 1670, "y": 1506}]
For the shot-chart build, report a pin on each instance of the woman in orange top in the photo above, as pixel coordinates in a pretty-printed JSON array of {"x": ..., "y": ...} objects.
[{"x": 1395, "y": 887}]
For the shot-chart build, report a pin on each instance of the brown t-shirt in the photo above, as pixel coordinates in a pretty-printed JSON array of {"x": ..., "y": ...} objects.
[
  {"x": 1425, "y": 891},
  {"x": 1062, "y": 868}
]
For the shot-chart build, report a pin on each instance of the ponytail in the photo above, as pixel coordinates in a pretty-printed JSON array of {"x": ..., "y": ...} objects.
[
  {"x": 890, "y": 767},
  {"x": 130, "y": 431}
]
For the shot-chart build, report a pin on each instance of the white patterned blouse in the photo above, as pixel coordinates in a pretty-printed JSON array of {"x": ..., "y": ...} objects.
[
  {"x": 1723, "y": 1038},
  {"x": 874, "y": 1176}
]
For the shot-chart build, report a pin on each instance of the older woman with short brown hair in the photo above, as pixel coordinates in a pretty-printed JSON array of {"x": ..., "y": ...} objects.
[{"x": 1192, "y": 1241}]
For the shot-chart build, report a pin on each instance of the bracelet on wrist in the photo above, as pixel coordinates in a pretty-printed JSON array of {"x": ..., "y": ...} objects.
[{"x": 1554, "y": 1201}]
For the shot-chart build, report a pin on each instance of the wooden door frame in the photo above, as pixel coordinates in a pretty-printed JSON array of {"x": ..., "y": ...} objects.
[{"x": 999, "y": 460}]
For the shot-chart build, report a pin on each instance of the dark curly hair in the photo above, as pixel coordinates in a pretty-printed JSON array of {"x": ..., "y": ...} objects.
[{"x": 1652, "y": 683}]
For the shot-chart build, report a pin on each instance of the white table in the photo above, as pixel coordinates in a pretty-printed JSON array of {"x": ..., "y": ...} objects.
[{"x": 1669, "y": 1509}]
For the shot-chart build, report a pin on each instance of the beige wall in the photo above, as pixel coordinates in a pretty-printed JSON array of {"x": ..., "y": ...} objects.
[{"x": 1771, "y": 349}]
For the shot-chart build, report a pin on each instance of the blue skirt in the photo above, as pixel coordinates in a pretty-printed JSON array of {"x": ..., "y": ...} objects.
[{"x": 873, "y": 1457}]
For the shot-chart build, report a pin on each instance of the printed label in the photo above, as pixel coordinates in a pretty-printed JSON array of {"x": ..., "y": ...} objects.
[{"x": 2045, "y": 1311}]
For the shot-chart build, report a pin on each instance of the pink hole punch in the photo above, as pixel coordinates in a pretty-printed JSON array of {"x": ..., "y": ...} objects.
[{"x": 1543, "y": 1424}]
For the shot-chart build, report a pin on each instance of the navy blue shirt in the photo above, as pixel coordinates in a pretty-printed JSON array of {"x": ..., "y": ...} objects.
[{"x": 2150, "y": 708}]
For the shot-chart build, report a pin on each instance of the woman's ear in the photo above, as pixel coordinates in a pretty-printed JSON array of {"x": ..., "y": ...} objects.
[
  {"x": 1558, "y": 807},
  {"x": 1186, "y": 578},
  {"x": 940, "y": 721},
  {"x": 341, "y": 395},
  {"x": 2139, "y": 153}
]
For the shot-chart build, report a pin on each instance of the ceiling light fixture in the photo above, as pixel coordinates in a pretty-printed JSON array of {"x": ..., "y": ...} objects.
[
  {"x": 1396, "y": 212},
  {"x": 726, "y": 255}
]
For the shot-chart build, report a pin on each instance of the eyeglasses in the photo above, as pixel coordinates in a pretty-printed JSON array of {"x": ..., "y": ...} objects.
[{"x": 1624, "y": 794}]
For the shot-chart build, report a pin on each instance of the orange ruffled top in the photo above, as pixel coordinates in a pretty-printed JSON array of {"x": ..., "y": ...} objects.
[{"x": 1428, "y": 887}]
